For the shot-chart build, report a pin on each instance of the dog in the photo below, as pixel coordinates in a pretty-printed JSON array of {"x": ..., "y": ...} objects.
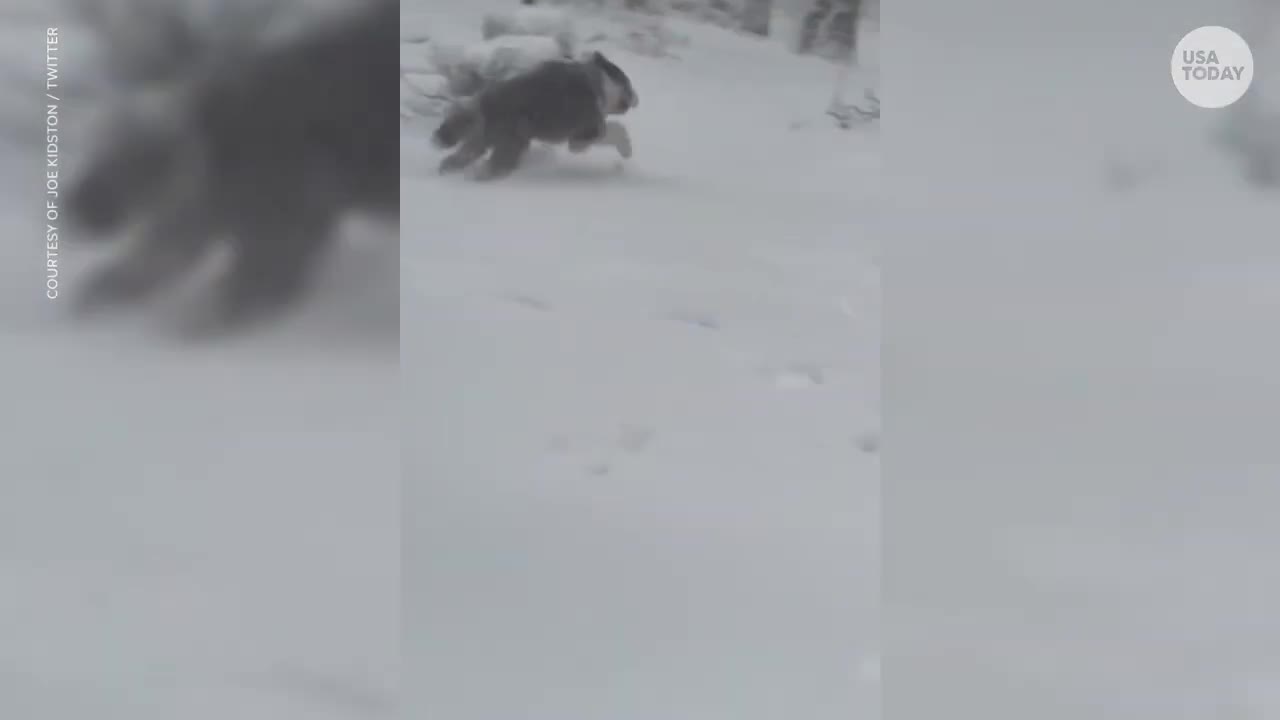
[
  {"x": 560, "y": 101},
  {"x": 264, "y": 153}
]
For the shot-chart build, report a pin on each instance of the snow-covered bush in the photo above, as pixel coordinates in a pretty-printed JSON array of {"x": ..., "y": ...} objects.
[
  {"x": 649, "y": 36},
  {"x": 848, "y": 114},
  {"x": 607, "y": 24},
  {"x": 532, "y": 20},
  {"x": 468, "y": 68},
  {"x": 725, "y": 13},
  {"x": 423, "y": 92}
]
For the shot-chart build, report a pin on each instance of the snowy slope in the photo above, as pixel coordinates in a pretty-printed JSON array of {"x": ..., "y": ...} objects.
[
  {"x": 642, "y": 477},
  {"x": 185, "y": 531}
]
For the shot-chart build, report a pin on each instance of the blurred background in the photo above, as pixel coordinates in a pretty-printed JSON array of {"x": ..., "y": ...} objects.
[
  {"x": 1080, "y": 376},
  {"x": 199, "y": 529}
]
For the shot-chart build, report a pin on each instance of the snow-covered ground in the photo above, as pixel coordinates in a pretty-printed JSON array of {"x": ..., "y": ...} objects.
[
  {"x": 642, "y": 477},
  {"x": 187, "y": 532}
]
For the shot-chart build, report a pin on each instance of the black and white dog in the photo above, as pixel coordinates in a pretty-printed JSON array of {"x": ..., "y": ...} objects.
[
  {"x": 264, "y": 152},
  {"x": 560, "y": 101}
]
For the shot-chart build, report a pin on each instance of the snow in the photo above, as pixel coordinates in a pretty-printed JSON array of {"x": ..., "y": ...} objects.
[{"x": 647, "y": 483}]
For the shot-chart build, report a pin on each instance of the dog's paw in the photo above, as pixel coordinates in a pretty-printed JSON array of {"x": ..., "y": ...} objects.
[{"x": 616, "y": 135}]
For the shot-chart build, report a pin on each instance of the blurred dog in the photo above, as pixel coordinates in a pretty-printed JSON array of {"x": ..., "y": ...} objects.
[
  {"x": 265, "y": 153},
  {"x": 560, "y": 101}
]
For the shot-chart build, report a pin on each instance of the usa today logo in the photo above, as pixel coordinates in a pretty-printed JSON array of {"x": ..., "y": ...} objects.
[{"x": 1212, "y": 67}]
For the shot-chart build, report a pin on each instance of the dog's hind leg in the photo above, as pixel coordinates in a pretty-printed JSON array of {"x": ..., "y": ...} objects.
[{"x": 505, "y": 158}]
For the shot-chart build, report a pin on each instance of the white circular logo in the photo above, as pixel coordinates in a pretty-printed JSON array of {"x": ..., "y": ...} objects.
[{"x": 1212, "y": 67}]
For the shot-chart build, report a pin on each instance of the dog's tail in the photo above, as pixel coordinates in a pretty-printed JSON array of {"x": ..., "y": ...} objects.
[{"x": 462, "y": 120}]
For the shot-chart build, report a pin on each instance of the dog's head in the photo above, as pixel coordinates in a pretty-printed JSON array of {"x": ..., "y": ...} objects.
[{"x": 619, "y": 94}]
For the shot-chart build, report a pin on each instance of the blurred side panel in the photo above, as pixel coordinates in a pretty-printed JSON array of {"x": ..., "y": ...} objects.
[{"x": 199, "y": 310}]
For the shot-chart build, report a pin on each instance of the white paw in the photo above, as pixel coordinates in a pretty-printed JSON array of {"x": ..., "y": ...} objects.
[{"x": 616, "y": 134}]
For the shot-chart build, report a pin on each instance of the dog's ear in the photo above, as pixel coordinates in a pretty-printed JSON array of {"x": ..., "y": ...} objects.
[{"x": 598, "y": 57}]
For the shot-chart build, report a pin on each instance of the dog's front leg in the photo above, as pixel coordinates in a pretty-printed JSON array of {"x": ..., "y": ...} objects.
[
  {"x": 615, "y": 134},
  {"x": 609, "y": 132}
]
